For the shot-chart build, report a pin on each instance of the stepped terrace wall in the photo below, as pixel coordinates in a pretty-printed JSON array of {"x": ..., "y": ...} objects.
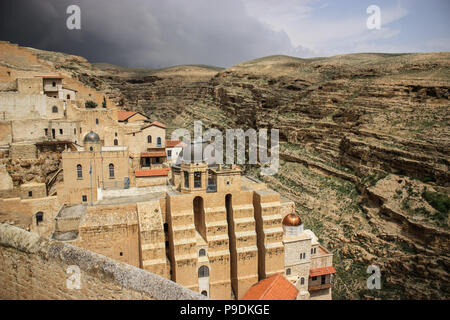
[{"x": 35, "y": 268}]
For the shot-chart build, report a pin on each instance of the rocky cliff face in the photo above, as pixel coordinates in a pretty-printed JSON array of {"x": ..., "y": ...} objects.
[{"x": 364, "y": 150}]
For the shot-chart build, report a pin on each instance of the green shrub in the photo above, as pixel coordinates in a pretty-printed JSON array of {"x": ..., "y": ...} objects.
[
  {"x": 439, "y": 201},
  {"x": 90, "y": 104}
]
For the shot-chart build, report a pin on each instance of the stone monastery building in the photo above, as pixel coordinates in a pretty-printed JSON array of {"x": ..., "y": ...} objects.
[{"x": 118, "y": 187}]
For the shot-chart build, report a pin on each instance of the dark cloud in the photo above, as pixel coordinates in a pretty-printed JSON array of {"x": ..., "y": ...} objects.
[{"x": 144, "y": 33}]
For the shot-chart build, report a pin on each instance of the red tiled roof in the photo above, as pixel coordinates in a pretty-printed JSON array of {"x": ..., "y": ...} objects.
[
  {"x": 321, "y": 271},
  {"x": 277, "y": 287},
  {"x": 172, "y": 143},
  {"x": 153, "y": 154},
  {"x": 125, "y": 115},
  {"x": 158, "y": 124},
  {"x": 152, "y": 172}
]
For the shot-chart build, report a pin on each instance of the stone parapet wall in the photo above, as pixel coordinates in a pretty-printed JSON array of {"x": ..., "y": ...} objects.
[{"x": 34, "y": 268}]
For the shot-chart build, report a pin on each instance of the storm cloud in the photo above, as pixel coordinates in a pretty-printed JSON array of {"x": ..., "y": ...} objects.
[{"x": 145, "y": 33}]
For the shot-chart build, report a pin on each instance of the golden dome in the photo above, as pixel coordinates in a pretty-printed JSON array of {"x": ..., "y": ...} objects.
[{"x": 292, "y": 220}]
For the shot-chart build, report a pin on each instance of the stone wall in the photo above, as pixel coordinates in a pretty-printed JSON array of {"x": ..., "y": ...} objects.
[
  {"x": 5, "y": 133},
  {"x": 30, "y": 85},
  {"x": 18, "y": 106},
  {"x": 34, "y": 268},
  {"x": 23, "y": 151}
]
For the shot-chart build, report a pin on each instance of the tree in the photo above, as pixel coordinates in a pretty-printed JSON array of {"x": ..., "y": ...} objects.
[{"x": 90, "y": 104}]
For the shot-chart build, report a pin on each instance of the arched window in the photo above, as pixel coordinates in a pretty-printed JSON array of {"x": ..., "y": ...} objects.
[
  {"x": 302, "y": 281},
  {"x": 203, "y": 272},
  {"x": 111, "y": 170},
  {"x": 79, "y": 171},
  {"x": 55, "y": 109},
  {"x": 158, "y": 141},
  {"x": 288, "y": 271},
  {"x": 204, "y": 293},
  {"x": 149, "y": 139},
  {"x": 54, "y": 84},
  {"x": 202, "y": 253},
  {"x": 39, "y": 217},
  {"x": 116, "y": 142}
]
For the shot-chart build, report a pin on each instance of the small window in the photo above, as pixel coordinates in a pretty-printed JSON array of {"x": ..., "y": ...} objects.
[
  {"x": 202, "y": 253},
  {"x": 46, "y": 132},
  {"x": 111, "y": 170},
  {"x": 84, "y": 198},
  {"x": 96, "y": 121},
  {"x": 91, "y": 149},
  {"x": 169, "y": 153},
  {"x": 149, "y": 139},
  {"x": 186, "y": 179},
  {"x": 80, "y": 130},
  {"x": 116, "y": 142},
  {"x": 315, "y": 250},
  {"x": 68, "y": 97},
  {"x": 314, "y": 278},
  {"x": 322, "y": 280},
  {"x": 288, "y": 271},
  {"x": 79, "y": 171},
  {"x": 302, "y": 281},
  {"x": 204, "y": 293},
  {"x": 60, "y": 131},
  {"x": 74, "y": 131},
  {"x": 312, "y": 250},
  {"x": 228, "y": 182},
  {"x": 197, "y": 179},
  {"x": 203, "y": 272},
  {"x": 158, "y": 141},
  {"x": 121, "y": 254},
  {"x": 39, "y": 217},
  {"x": 30, "y": 194},
  {"x": 115, "y": 134},
  {"x": 55, "y": 109},
  {"x": 53, "y": 84}
]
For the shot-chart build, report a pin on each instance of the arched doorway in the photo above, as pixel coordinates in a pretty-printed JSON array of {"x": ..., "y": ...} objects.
[
  {"x": 39, "y": 217},
  {"x": 199, "y": 216}
]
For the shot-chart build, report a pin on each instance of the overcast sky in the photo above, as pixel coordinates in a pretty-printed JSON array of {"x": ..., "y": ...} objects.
[{"x": 160, "y": 33}]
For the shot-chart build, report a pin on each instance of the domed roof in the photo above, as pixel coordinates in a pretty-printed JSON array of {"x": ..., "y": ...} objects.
[
  {"x": 91, "y": 137},
  {"x": 292, "y": 220}
]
